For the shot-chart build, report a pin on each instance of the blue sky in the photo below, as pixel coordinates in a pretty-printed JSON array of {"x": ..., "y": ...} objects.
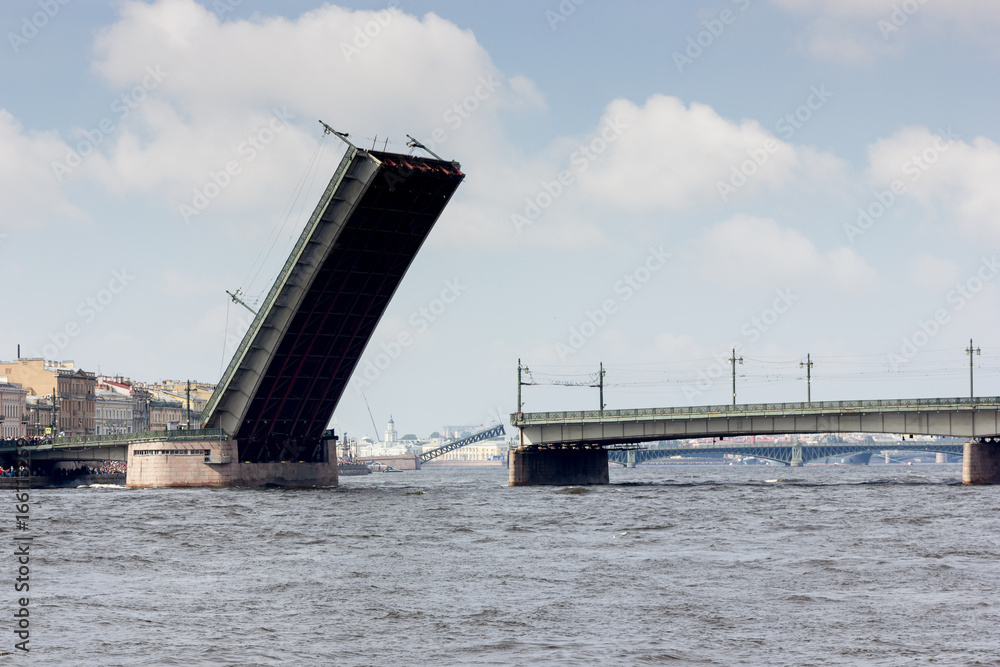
[{"x": 813, "y": 178}]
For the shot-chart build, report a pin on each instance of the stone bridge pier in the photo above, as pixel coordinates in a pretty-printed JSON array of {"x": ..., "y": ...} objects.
[
  {"x": 569, "y": 466},
  {"x": 981, "y": 462},
  {"x": 558, "y": 467}
]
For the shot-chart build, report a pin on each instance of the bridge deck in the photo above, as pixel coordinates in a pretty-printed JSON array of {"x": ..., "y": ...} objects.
[
  {"x": 955, "y": 417},
  {"x": 289, "y": 373}
]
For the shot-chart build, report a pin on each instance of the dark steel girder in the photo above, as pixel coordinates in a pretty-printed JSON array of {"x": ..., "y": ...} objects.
[{"x": 351, "y": 259}]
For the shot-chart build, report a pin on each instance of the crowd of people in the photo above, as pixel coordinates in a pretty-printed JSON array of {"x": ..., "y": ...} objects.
[
  {"x": 101, "y": 468},
  {"x": 25, "y": 442},
  {"x": 98, "y": 468}
]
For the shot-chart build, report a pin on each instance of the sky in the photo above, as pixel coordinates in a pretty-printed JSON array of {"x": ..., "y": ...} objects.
[{"x": 650, "y": 186}]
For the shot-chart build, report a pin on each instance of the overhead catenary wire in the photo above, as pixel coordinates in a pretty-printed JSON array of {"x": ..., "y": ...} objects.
[
  {"x": 283, "y": 219},
  {"x": 763, "y": 371}
]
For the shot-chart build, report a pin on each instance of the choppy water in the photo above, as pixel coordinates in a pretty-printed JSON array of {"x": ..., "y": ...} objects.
[{"x": 710, "y": 565}]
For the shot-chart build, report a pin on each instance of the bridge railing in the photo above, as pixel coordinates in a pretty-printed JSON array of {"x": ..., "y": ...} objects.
[
  {"x": 142, "y": 436},
  {"x": 753, "y": 409}
]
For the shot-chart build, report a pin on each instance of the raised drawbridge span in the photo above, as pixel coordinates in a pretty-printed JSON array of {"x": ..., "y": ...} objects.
[{"x": 291, "y": 368}]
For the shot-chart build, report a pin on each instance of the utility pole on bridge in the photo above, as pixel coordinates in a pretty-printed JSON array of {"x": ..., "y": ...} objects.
[
  {"x": 808, "y": 366},
  {"x": 601, "y": 378},
  {"x": 600, "y": 385},
  {"x": 969, "y": 352},
  {"x": 733, "y": 360},
  {"x": 521, "y": 383}
]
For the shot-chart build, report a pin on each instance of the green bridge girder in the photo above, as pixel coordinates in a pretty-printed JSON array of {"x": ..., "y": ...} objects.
[{"x": 778, "y": 453}]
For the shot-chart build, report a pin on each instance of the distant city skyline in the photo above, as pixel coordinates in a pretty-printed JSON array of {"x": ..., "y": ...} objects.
[{"x": 650, "y": 186}]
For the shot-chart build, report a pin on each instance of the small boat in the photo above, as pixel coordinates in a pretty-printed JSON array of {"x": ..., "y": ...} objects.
[{"x": 382, "y": 467}]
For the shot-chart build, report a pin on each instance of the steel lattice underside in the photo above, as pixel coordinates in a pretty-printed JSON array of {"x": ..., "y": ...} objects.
[{"x": 325, "y": 336}]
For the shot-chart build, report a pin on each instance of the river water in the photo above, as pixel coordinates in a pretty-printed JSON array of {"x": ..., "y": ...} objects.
[{"x": 705, "y": 565}]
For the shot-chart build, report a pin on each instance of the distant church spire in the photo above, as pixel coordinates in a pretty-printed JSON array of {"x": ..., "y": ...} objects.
[{"x": 390, "y": 432}]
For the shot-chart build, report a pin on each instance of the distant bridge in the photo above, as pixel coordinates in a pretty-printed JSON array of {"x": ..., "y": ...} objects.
[
  {"x": 478, "y": 436},
  {"x": 787, "y": 454}
]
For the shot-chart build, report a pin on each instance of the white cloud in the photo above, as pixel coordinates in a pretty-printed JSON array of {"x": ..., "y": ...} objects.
[
  {"x": 934, "y": 274},
  {"x": 221, "y": 87},
  {"x": 944, "y": 171},
  {"x": 30, "y": 190},
  {"x": 858, "y": 31},
  {"x": 757, "y": 252},
  {"x": 672, "y": 156}
]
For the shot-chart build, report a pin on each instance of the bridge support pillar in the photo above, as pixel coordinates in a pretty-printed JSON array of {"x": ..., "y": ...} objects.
[
  {"x": 981, "y": 463},
  {"x": 215, "y": 462},
  {"x": 630, "y": 458},
  {"x": 558, "y": 467},
  {"x": 796, "y": 461}
]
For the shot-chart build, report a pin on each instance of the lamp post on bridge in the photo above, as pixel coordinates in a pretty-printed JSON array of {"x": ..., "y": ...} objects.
[
  {"x": 969, "y": 352},
  {"x": 733, "y": 360},
  {"x": 520, "y": 384},
  {"x": 808, "y": 364},
  {"x": 600, "y": 385}
]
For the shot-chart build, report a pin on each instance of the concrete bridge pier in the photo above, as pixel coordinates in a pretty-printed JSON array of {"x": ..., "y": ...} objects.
[
  {"x": 981, "y": 463},
  {"x": 796, "y": 461},
  {"x": 630, "y": 458},
  {"x": 558, "y": 467},
  {"x": 215, "y": 462}
]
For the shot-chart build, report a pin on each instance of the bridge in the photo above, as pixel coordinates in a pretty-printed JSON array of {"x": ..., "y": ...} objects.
[
  {"x": 572, "y": 447},
  {"x": 790, "y": 455},
  {"x": 478, "y": 436},
  {"x": 265, "y": 422},
  {"x": 289, "y": 372}
]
